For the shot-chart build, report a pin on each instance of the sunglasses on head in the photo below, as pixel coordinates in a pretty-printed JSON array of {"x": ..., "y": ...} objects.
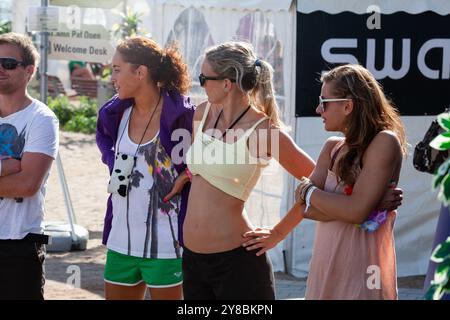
[
  {"x": 202, "y": 78},
  {"x": 10, "y": 63}
]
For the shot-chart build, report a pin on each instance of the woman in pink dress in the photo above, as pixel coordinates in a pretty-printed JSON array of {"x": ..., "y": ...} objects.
[{"x": 354, "y": 252}]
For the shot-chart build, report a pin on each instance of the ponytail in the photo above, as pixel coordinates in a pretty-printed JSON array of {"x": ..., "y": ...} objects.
[
  {"x": 237, "y": 60},
  {"x": 172, "y": 73},
  {"x": 263, "y": 94}
]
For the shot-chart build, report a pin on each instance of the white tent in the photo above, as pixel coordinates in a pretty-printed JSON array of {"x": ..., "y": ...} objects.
[{"x": 271, "y": 27}]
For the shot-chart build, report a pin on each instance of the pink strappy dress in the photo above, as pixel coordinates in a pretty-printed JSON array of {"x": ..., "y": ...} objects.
[{"x": 349, "y": 263}]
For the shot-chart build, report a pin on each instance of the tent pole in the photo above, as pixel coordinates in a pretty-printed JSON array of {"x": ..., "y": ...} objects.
[{"x": 67, "y": 199}]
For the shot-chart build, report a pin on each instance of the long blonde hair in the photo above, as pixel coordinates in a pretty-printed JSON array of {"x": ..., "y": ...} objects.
[
  {"x": 372, "y": 113},
  {"x": 237, "y": 61}
]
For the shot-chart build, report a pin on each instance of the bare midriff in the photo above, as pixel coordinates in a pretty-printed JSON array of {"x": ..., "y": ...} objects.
[{"x": 215, "y": 221}]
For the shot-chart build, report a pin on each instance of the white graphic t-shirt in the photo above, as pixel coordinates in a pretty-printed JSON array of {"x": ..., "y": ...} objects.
[
  {"x": 149, "y": 227},
  {"x": 32, "y": 129}
]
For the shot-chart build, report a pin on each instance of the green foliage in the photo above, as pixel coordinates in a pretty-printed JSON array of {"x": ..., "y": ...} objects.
[
  {"x": 81, "y": 118},
  {"x": 440, "y": 285},
  {"x": 441, "y": 179},
  {"x": 444, "y": 120},
  {"x": 88, "y": 107},
  {"x": 129, "y": 26},
  {"x": 62, "y": 108},
  {"x": 5, "y": 27},
  {"x": 80, "y": 123},
  {"x": 106, "y": 73}
]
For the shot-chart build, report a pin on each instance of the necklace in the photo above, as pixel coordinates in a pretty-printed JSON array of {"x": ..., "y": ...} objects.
[
  {"x": 134, "y": 165},
  {"x": 233, "y": 123},
  {"x": 148, "y": 123}
]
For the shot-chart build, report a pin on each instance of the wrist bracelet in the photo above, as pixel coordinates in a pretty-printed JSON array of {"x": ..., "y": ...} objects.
[
  {"x": 308, "y": 197},
  {"x": 305, "y": 190}
]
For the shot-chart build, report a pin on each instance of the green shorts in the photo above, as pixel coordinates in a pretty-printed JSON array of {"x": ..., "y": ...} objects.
[{"x": 125, "y": 270}]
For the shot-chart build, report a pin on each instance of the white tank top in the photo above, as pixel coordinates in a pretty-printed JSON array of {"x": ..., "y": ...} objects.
[{"x": 150, "y": 228}]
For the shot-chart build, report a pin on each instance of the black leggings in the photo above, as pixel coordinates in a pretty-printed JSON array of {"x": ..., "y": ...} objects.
[{"x": 236, "y": 274}]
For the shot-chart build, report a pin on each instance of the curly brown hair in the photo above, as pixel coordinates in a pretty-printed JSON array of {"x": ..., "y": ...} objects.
[
  {"x": 372, "y": 113},
  {"x": 165, "y": 65}
]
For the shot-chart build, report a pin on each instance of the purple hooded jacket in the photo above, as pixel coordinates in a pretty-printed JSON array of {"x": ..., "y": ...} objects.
[{"x": 177, "y": 112}]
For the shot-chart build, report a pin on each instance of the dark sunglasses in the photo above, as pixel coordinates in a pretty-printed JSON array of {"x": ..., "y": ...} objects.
[
  {"x": 202, "y": 78},
  {"x": 10, "y": 63}
]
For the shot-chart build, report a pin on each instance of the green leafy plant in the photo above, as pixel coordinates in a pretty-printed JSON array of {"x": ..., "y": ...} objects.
[
  {"x": 441, "y": 179},
  {"x": 88, "y": 107},
  {"x": 80, "y": 123},
  {"x": 129, "y": 26},
  {"x": 106, "y": 73},
  {"x": 440, "y": 285},
  {"x": 62, "y": 108},
  {"x": 5, "y": 27},
  {"x": 81, "y": 118}
]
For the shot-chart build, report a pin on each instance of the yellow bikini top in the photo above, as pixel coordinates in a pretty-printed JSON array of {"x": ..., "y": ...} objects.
[{"x": 227, "y": 166}]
